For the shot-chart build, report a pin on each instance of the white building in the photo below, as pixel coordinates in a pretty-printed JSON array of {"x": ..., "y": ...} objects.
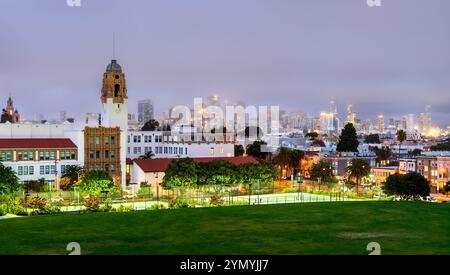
[
  {"x": 164, "y": 145},
  {"x": 37, "y": 158}
]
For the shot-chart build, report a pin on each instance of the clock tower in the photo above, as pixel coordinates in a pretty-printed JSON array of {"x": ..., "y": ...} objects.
[{"x": 115, "y": 108}]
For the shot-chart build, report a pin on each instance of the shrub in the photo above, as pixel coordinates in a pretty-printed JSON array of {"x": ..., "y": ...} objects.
[
  {"x": 91, "y": 203},
  {"x": 36, "y": 203},
  {"x": 122, "y": 208},
  {"x": 12, "y": 204},
  {"x": 216, "y": 199},
  {"x": 175, "y": 204},
  {"x": 3, "y": 211},
  {"x": 107, "y": 207}
]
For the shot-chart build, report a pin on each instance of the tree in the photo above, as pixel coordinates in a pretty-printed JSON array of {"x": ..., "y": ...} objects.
[
  {"x": 181, "y": 173},
  {"x": 447, "y": 187},
  {"x": 445, "y": 146},
  {"x": 95, "y": 182},
  {"x": 358, "y": 169},
  {"x": 384, "y": 154},
  {"x": 9, "y": 182},
  {"x": 70, "y": 176},
  {"x": 322, "y": 170},
  {"x": 254, "y": 149},
  {"x": 318, "y": 142},
  {"x": 415, "y": 152},
  {"x": 348, "y": 140},
  {"x": 238, "y": 150},
  {"x": 373, "y": 138},
  {"x": 35, "y": 185},
  {"x": 148, "y": 155},
  {"x": 151, "y": 125},
  {"x": 312, "y": 135},
  {"x": 411, "y": 186},
  {"x": 401, "y": 137},
  {"x": 290, "y": 158}
]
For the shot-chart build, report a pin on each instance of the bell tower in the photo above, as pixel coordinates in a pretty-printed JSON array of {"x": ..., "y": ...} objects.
[{"x": 114, "y": 99}]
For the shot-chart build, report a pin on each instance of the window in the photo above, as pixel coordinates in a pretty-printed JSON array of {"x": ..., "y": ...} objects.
[
  {"x": 47, "y": 169},
  {"x": 42, "y": 169},
  {"x": 91, "y": 140},
  {"x": 25, "y": 170},
  {"x": 91, "y": 154},
  {"x": 63, "y": 169},
  {"x": 211, "y": 151},
  {"x": 112, "y": 168},
  {"x": 52, "y": 169},
  {"x": 31, "y": 170},
  {"x": 52, "y": 155},
  {"x": 97, "y": 140},
  {"x": 113, "y": 153},
  {"x": 128, "y": 139},
  {"x": 176, "y": 151},
  {"x": 137, "y": 139},
  {"x": 185, "y": 151},
  {"x": 73, "y": 155},
  {"x": 106, "y": 140},
  {"x": 221, "y": 150},
  {"x": 106, "y": 154},
  {"x": 113, "y": 140},
  {"x": 20, "y": 170},
  {"x": 147, "y": 139},
  {"x": 137, "y": 150},
  {"x": 62, "y": 154},
  {"x": 128, "y": 150},
  {"x": 97, "y": 154}
]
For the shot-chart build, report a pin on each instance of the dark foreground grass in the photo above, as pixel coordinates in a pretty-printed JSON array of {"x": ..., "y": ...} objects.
[{"x": 316, "y": 228}]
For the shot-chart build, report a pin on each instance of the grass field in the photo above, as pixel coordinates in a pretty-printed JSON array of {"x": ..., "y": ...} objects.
[{"x": 313, "y": 228}]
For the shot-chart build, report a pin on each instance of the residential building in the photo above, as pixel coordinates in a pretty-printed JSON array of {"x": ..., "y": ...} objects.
[{"x": 435, "y": 167}]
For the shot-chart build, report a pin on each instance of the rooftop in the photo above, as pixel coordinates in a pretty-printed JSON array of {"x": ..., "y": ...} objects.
[
  {"x": 36, "y": 143},
  {"x": 160, "y": 165}
]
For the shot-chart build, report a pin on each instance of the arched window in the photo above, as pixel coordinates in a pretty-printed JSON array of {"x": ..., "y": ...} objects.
[{"x": 116, "y": 90}]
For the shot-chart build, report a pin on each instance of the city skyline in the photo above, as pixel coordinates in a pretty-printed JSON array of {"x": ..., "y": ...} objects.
[{"x": 296, "y": 55}]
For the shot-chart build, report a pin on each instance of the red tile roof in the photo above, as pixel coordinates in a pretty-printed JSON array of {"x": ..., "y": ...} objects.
[
  {"x": 160, "y": 165},
  {"x": 36, "y": 143}
]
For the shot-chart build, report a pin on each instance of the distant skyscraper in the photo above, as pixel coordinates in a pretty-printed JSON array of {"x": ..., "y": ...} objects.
[
  {"x": 10, "y": 114},
  {"x": 410, "y": 122},
  {"x": 351, "y": 116},
  {"x": 327, "y": 122},
  {"x": 425, "y": 119},
  {"x": 380, "y": 123},
  {"x": 145, "y": 110}
]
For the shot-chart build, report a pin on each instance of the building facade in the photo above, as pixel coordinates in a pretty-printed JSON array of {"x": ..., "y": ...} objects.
[{"x": 39, "y": 158}]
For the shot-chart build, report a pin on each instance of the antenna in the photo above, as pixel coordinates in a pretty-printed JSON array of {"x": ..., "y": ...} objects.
[{"x": 114, "y": 45}]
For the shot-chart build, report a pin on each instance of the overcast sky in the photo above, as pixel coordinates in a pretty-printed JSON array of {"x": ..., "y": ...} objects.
[{"x": 392, "y": 59}]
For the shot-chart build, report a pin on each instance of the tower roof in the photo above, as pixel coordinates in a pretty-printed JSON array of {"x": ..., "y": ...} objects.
[{"x": 114, "y": 66}]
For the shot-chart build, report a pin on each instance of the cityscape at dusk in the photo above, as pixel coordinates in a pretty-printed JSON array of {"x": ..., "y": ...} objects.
[{"x": 255, "y": 128}]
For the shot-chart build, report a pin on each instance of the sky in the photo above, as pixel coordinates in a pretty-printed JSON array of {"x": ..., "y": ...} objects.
[{"x": 393, "y": 59}]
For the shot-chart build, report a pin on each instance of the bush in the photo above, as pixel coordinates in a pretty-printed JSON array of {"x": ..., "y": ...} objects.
[
  {"x": 12, "y": 205},
  {"x": 3, "y": 211},
  {"x": 36, "y": 203},
  {"x": 123, "y": 209},
  {"x": 216, "y": 199},
  {"x": 91, "y": 203},
  {"x": 107, "y": 207},
  {"x": 175, "y": 204}
]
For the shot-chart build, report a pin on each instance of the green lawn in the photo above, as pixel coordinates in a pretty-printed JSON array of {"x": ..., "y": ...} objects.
[{"x": 313, "y": 228}]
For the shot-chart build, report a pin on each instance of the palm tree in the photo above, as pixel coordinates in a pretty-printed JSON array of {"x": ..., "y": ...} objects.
[
  {"x": 148, "y": 155},
  {"x": 357, "y": 170},
  {"x": 401, "y": 137}
]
